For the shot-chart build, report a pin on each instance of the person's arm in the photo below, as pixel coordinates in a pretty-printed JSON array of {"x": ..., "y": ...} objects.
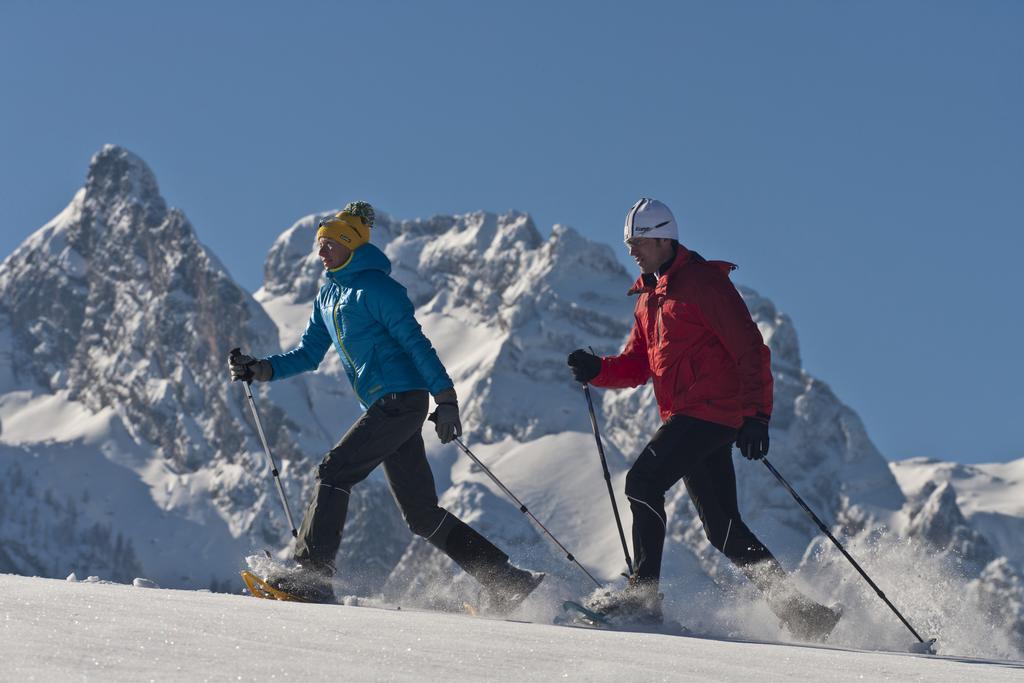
[
  {"x": 389, "y": 304},
  {"x": 310, "y": 351},
  {"x": 630, "y": 368},
  {"x": 727, "y": 316}
]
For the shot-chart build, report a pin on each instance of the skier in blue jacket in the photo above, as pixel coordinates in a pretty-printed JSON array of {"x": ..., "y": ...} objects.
[{"x": 368, "y": 318}]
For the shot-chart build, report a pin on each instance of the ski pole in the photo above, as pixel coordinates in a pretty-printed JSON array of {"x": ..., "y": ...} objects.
[
  {"x": 824, "y": 530},
  {"x": 522, "y": 508},
  {"x": 266, "y": 449},
  {"x": 607, "y": 475}
]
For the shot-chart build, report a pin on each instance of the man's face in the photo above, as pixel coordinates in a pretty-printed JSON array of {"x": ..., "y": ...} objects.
[
  {"x": 331, "y": 253},
  {"x": 649, "y": 253}
]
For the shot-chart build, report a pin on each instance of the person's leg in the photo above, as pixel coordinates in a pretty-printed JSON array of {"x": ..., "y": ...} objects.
[
  {"x": 712, "y": 488},
  {"x": 677, "y": 449},
  {"x": 377, "y": 434},
  {"x": 412, "y": 484}
]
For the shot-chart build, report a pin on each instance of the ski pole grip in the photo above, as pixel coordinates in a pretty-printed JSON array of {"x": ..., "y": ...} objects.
[
  {"x": 587, "y": 384},
  {"x": 235, "y": 353}
]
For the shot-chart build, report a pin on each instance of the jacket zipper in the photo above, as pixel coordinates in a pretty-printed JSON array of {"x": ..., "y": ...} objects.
[
  {"x": 341, "y": 345},
  {"x": 659, "y": 327}
]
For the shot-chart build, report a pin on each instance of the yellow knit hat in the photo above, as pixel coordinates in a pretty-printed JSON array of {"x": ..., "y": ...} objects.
[
  {"x": 344, "y": 229},
  {"x": 350, "y": 227}
]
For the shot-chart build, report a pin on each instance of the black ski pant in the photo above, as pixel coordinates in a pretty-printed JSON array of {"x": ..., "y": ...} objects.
[
  {"x": 699, "y": 453},
  {"x": 389, "y": 433}
]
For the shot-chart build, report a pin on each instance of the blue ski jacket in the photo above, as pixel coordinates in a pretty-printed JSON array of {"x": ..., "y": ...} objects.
[{"x": 371, "y": 322}]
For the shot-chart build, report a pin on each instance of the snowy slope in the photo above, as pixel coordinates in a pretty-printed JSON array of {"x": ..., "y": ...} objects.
[{"x": 57, "y": 630}]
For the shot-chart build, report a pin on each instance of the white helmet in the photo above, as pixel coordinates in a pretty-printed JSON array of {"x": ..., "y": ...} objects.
[{"x": 650, "y": 218}]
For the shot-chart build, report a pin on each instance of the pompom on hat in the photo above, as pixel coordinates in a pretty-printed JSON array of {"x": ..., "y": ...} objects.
[{"x": 349, "y": 227}]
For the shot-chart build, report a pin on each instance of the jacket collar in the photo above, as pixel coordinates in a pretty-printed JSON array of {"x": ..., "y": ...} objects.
[
  {"x": 367, "y": 257},
  {"x": 653, "y": 284}
]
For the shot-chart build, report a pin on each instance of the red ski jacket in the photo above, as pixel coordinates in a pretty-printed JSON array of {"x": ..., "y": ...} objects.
[{"x": 694, "y": 335}]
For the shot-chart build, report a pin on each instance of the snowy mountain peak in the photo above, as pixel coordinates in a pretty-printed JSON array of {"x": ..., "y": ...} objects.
[
  {"x": 117, "y": 175},
  {"x": 936, "y": 518},
  {"x": 487, "y": 233},
  {"x": 777, "y": 329},
  {"x": 116, "y": 310}
]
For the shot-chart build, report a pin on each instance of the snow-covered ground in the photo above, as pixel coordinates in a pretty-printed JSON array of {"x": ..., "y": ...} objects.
[{"x": 62, "y": 630}]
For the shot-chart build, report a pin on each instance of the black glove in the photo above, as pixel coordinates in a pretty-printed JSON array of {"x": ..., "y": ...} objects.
[
  {"x": 752, "y": 439},
  {"x": 585, "y": 366},
  {"x": 246, "y": 368},
  {"x": 446, "y": 416}
]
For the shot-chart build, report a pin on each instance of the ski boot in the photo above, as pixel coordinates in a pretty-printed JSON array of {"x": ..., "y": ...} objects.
[
  {"x": 638, "y": 604},
  {"x": 805, "y": 619},
  {"x": 304, "y": 583},
  {"x": 507, "y": 588},
  {"x": 504, "y": 585}
]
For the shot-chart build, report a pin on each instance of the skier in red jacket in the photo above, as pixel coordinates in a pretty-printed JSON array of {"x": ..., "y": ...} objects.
[{"x": 694, "y": 337}]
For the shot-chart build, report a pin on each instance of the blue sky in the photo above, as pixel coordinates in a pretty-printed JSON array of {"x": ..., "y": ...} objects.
[{"x": 862, "y": 162}]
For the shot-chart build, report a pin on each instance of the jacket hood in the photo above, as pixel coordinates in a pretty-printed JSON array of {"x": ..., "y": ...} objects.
[{"x": 366, "y": 257}]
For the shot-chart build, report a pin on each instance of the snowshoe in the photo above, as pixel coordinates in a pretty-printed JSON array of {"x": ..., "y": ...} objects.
[
  {"x": 577, "y": 614},
  {"x": 259, "y": 588},
  {"x": 644, "y": 620},
  {"x": 294, "y": 584}
]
